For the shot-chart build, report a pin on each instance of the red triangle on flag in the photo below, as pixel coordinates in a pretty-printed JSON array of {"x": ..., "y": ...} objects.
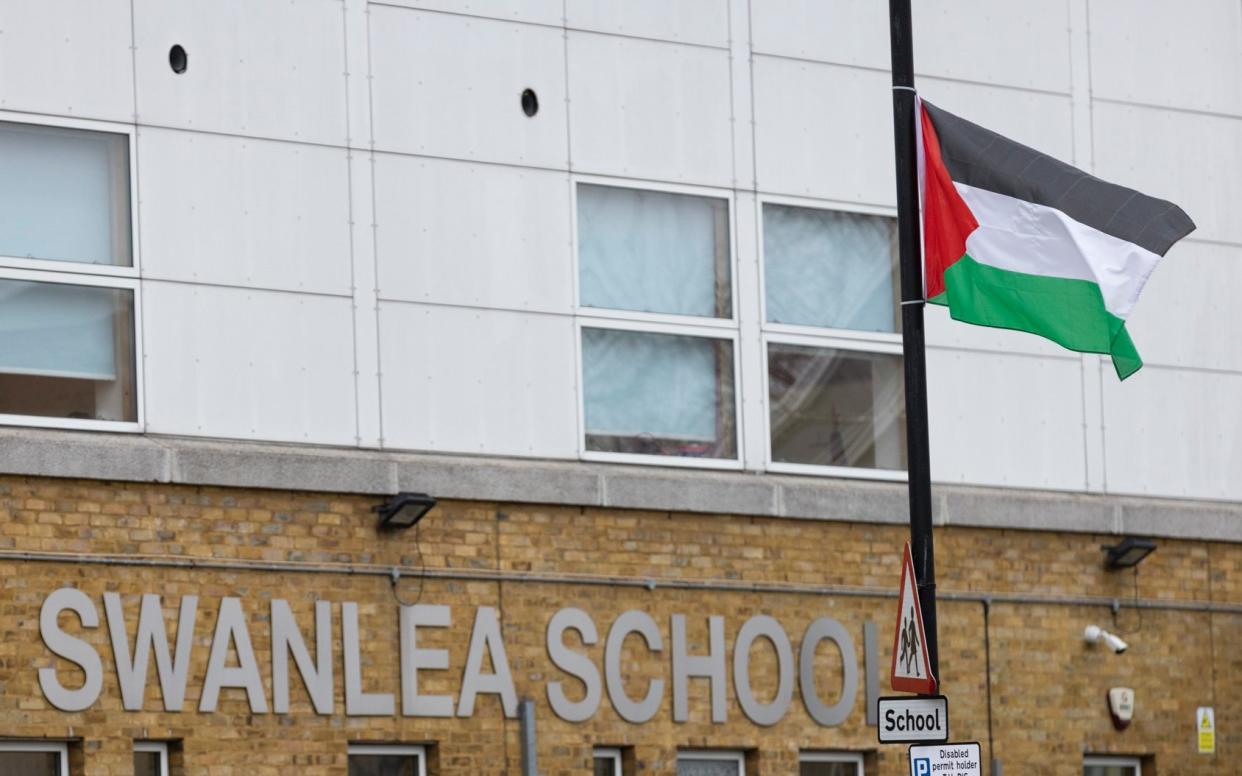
[{"x": 911, "y": 669}]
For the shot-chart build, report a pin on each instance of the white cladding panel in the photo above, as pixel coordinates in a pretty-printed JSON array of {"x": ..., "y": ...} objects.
[
  {"x": 482, "y": 235},
  {"x": 478, "y": 381},
  {"x": 533, "y": 11},
  {"x": 1188, "y": 158},
  {"x": 653, "y": 110},
  {"x": 267, "y": 68},
  {"x": 1015, "y": 44},
  {"x": 827, "y": 131},
  {"x": 1179, "y": 54},
  {"x": 823, "y": 131},
  {"x": 1000, "y": 419},
  {"x": 244, "y": 212},
  {"x": 67, "y": 57},
  {"x": 705, "y": 22},
  {"x": 943, "y": 332},
  {"x": 1189, "y": 314},
  {"x": 1174, "y": 433},
  {"x": 1042, "y": 121},
  {"x": 448, "y": 85},
  {"x": 242, "y": 364},
  {"x": 243, "y": 185}
]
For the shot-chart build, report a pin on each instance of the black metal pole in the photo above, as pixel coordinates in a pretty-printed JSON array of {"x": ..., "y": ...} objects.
[{"x": 918, "y": 457}]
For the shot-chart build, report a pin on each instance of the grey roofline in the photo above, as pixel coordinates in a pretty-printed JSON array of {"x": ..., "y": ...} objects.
[{"x": 191, "y": 461}]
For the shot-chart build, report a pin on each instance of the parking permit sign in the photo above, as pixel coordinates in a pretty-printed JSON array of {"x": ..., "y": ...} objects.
[{"x": 946, "y": 760}]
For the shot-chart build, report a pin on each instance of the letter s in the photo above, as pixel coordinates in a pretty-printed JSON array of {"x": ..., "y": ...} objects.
[{"x": 74, "y": 650}]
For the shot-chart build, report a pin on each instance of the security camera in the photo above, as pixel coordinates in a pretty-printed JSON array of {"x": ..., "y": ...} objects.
[{"x": 1094, "y": 634}]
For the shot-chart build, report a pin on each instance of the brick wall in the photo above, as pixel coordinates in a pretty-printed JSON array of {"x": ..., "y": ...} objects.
[{"x": 1048, "y": 689}]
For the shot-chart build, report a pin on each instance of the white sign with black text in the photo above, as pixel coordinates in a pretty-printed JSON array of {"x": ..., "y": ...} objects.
[
  {"x": 905, "y": 719},
  {"x": 955, "y": 759}
]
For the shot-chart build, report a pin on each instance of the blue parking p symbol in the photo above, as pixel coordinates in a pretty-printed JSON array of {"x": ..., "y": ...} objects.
[{"x": 922, "y": 766}]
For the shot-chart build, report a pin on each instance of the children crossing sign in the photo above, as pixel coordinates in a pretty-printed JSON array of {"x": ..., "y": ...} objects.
[{"x": 911, "y": 669}]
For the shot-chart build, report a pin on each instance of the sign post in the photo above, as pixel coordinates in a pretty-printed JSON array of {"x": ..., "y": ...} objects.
[{"x": 914, "y": 356}]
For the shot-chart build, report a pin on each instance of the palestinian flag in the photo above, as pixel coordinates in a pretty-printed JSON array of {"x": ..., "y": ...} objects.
[{"x": 1015, "y": 239}]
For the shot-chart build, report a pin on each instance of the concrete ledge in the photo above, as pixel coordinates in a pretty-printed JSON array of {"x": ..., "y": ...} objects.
[
  {"x": 1022, "y": 509},
  {"x": 188, "y": 461}
]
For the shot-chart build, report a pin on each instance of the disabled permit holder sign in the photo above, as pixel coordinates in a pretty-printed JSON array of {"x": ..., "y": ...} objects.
[{"x": 946, "y": 760}]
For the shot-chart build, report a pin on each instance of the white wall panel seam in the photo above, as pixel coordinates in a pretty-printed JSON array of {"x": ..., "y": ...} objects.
[
  {"x": 562, "y": 26},
  {"x": 140, "y": 328},
  {"x": 1059, "y": 355},
  {"x": 751, "y": 399},
  {"x": 240, "y": 135},
  {"x": 918, "y": 75},
  {"x": 373, "y": 287},
  {"x": 1191, "y": 240},
  {"x": 364, "y": 319},
  {"x": 171, "y": 280},
  {"x": 602, "y": 176},
  {"x": 1091, "y": 373},
  {"x": 1169, "y": 108},
  {"x": 579, "y": 418}
]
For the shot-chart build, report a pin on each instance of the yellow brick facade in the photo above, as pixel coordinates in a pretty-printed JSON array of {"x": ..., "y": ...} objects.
[{"x": 1047, "y": 688}]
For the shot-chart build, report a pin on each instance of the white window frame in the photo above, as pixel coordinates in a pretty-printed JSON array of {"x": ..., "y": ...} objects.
[
  {"x": 391, "y": 749},
  {"x": 726, "y": 329},
  {"x": 155, "y": 746},
  {"x": 612, "y": 753},
  {"x": 72, "y": 273},
  {"x": 1132, "y": 762},
  {"x": 715, "y": 754},
  {"x": 833, "y": 757},
  {"x": 817, "y": 337},
  {"x": 59, "y": 747}
]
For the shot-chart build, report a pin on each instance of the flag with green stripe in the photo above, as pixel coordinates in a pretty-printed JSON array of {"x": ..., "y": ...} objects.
[{"x": 1015, "y": 239}]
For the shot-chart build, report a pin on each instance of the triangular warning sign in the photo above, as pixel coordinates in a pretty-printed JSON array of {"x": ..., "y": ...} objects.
[
  {"x": 1206, "y": 724},
  {"x": 911, "y": 671}
]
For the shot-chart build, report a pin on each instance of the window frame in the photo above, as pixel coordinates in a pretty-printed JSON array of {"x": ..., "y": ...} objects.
[
  {"x": 836, "y": 756},
  {"x": 612, "y": 753},
  {"x": 59, "y": 747},
  {"x": 1114, "y": 760},
  {"x": 724, "y": 755},
  {"x": 418, "y": 750},
  {"x": 725, "y": 329},
  {"x": 155, "y": 746},
  {"x": 817, "y": 337},
  {"x": 71, "y": 273}
]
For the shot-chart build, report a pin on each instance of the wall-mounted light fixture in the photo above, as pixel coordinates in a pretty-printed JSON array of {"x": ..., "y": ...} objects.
[
  {"x": 403, "y": 510},
  {"x": 1129, "y": 552}
]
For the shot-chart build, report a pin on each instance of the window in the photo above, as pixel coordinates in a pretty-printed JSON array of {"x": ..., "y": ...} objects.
[
  {"x": 607, "y": 761},
  {"x": 830, "y": 764},
  {"x": 1112, "y": 766},
  {"x": 34, "y": 758},
  {"x": 369, "y": 760},
  {"x": 836, "y": 400},
  {"x": 830, "y": 269},
  {"x": 657, "y": 335},
  {"x": 150, "y": 758},
  {"x": 67, "y": 277},
  {"x": 711, "y": 764}
]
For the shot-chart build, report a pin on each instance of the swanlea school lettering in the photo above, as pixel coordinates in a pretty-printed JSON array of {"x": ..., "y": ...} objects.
[{"x": 232, "y": 632}]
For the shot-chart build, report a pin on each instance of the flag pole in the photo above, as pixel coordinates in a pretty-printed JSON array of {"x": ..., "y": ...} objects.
[{"x": 912, "y": 339}]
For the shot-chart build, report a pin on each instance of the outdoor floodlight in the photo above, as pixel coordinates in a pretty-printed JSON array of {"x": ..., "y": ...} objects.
[
  {"x": 1129, "y": 552},
  {"x": 1094, "y": 634},
  {"x": 403, "y": 510}
]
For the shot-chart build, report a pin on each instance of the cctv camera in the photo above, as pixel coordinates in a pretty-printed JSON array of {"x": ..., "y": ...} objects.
[{"x": 1095, "y": 633}]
